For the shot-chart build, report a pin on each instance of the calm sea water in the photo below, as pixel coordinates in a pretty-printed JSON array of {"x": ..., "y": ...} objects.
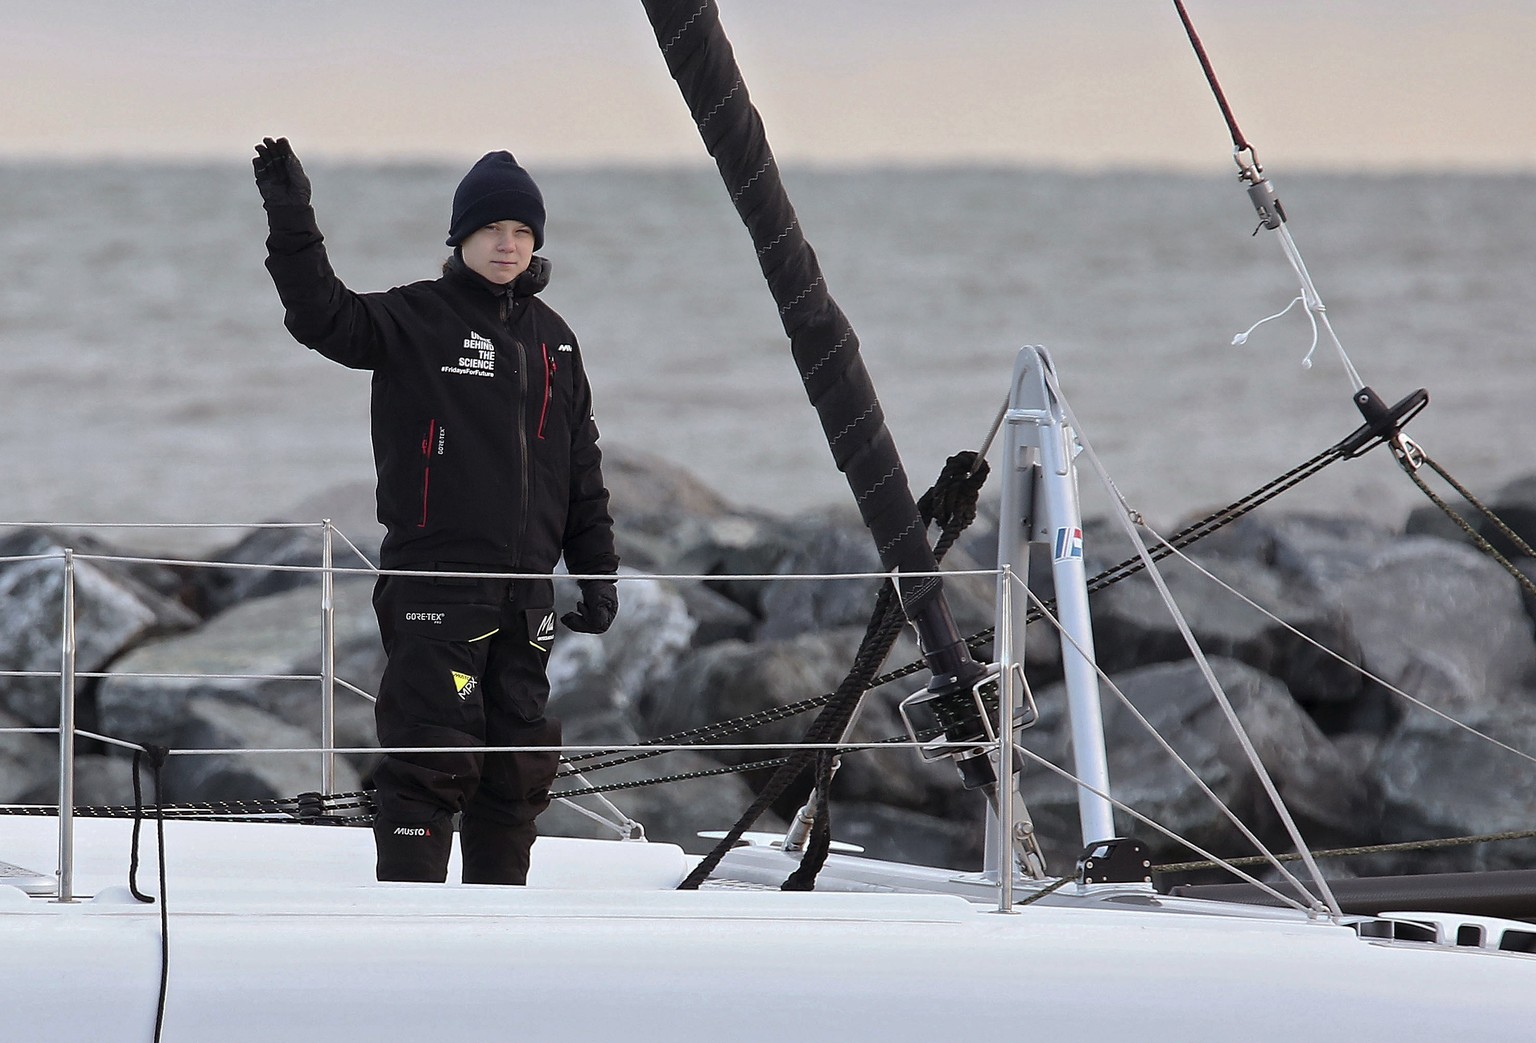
[{"x": 145, "y": 374}]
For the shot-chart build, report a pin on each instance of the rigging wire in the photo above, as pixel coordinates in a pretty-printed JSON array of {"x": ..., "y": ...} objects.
[
  {"x": 1249, "y": 751},
  {"x": 1266, "y": 854},
  {"x": 1356, "y": 667},
  {"x": 1271, "y": 216},
  {"x": 1183, "y": 841}
]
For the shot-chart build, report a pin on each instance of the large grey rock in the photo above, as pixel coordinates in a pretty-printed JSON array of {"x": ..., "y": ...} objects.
[
  {"x": 660, "y": 511},
  {"x": 1438, "y": 780},
  {"x": 1438, "y": 620},
  {"x": 1514, "y": 503},
  {"x": 830, "y": 544},
  {"x": 296, "y": 541},
  {"x": 601, "y": 674},
  {"x": 246, "y": 655},
  {"x": 900, "y": 835},
  {"x": 29, "y": 763},
  {"x": 101, "y": 780},
  {"x": 216, "y": 724},
  {"x": 114, "y": 609},
  {"x": 1315, "y": 548},
  {"x": 1133, "y": 626},
  {"x": 733, "y": 678},
  {"x": 29, "y": 771},
  {"x": 1326, "y": 793},
  {"x": 733, "y": 547}
]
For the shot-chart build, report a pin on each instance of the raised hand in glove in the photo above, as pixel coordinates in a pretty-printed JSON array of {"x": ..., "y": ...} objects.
[
  {"x": 595, "y": 611},
  {"x": 279, "y": 175}
]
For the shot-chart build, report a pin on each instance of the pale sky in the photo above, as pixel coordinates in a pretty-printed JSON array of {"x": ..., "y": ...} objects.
[{"x": 1377, "y": 84}]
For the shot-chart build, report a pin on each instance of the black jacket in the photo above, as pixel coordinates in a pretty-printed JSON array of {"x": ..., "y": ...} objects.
[{"x": 483, "y": 434}]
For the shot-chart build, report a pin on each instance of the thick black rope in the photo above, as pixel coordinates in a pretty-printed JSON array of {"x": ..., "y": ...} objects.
[
  {"x": 138, "y": 820},
  {"x": 884, "y": 627},
  {"x": 827, "y": 727},
  {"x": 825, "y": 348}
]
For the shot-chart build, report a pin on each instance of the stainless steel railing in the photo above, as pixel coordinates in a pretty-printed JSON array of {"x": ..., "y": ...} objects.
[{"x": 69, "y": 677}]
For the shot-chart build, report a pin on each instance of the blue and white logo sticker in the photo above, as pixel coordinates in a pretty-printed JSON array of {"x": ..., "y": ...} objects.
[{"x": 1068, "y": 544}]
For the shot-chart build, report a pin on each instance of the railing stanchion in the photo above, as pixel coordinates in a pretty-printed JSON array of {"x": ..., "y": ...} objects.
[
  {"x": 67, "y": 735},
  {"x": 1007, "y": 784},
  {"x": 327, "y": 663}
]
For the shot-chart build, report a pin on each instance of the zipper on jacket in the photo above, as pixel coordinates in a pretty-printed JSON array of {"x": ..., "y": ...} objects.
[
  {"x": 549, "y": 386},
  {"x": 507, "y": 316},
  {"x": 522, "y": 448},
  {"x": 426, "y": 469}
]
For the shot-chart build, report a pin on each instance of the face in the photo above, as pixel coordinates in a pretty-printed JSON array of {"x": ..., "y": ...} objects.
[{"x": 500, "y": 251}]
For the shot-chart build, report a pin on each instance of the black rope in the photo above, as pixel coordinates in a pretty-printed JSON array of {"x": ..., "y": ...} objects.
[
  {"x": 952, "y": 504},
  {"x": 884, "y": 626},
  {"x": 1487, "y": 512},
  {"x": 138, "y": 820},
  {"x": 731, "y": 769},
  {"x": 310, "y": 808},
  {"x": 823, "y": 343},
  {"x": 1108, "y": 577},
  {"x": 829, "y": 724},
  {"x": 1239, "y": 142},
  {"x": 686, "y": 776},
  {"x": 157, "y": 756},
  {"x": 1349, "y": 852},
  {"x": 819, "y": 843},
  {"x": 1478, "y": 539}
]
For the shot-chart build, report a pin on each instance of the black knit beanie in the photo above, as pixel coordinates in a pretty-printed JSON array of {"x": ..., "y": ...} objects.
[{"x": 496, "y": 189}]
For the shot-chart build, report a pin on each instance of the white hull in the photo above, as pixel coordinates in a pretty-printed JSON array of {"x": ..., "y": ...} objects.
[{"x": 278, "y": 932}]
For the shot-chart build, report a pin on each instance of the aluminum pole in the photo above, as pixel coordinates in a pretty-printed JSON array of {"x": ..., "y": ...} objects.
[
  {"x": 327, "y": 662},
  {"x": 1040, "y": 504},
  {"x": 1064, "y": 522},
  {"x": 1007, "y": 785},
  {"x": 67, "y": 735}
]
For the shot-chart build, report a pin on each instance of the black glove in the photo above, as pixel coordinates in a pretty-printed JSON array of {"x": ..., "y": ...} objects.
[
  {"x": 279, "y": 175},
  {"x": 595, "y": 611}
]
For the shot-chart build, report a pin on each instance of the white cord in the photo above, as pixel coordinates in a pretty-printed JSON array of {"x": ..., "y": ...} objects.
[{"x": 1317, "y": 312}]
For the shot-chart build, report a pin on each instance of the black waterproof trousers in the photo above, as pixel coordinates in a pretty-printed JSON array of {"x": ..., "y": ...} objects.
[{"x": 465, "y": 669}]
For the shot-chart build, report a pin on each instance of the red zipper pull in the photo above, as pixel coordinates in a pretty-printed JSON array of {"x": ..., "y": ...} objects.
[{"x": 549, "y": 386}]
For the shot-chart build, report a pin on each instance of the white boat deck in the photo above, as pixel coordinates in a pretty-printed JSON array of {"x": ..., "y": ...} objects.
[{"x": 280, "y": 932}]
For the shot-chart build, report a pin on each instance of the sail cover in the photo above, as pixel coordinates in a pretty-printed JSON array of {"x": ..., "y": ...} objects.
[{"x": 822, "y": 341}]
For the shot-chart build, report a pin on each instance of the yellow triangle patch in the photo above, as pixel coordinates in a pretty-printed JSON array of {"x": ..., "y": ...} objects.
[{"x": 461, "y": 681}]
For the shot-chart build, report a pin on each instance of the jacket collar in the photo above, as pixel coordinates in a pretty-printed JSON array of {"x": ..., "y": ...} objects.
[{"x": 534, "y": 279}]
